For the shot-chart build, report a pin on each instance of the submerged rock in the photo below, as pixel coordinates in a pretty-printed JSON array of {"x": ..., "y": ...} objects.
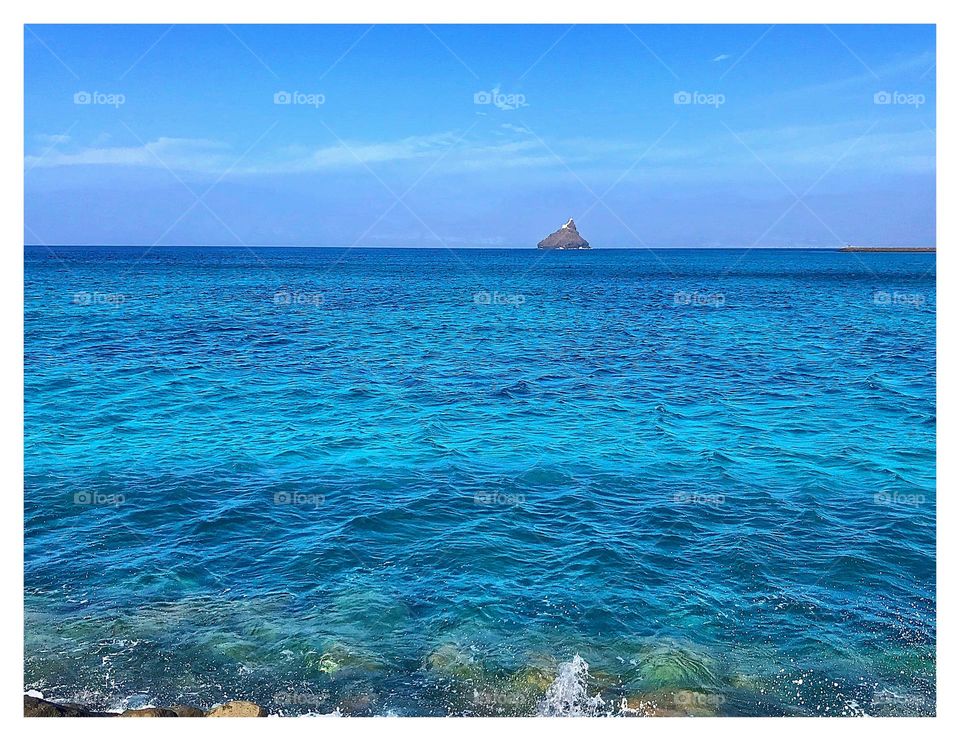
[
  {"x": 357, "y": 704},
  {"x": 325, "y": 663},
  {"x": 565, "y": 238},
  {"x": 680, "y": 703},
  {"x": 676, "y": 667},
  {"x": 453, "y": 661},
  {"x": 535, "y": 679},
  {"x": 338, "y": 657}
]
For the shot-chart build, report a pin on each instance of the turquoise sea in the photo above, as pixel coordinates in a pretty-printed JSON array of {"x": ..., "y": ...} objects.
[{"x": 481, "y": 482}]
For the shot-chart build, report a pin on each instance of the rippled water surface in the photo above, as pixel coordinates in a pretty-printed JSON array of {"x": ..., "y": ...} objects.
[{"x": 481, "y": 482}]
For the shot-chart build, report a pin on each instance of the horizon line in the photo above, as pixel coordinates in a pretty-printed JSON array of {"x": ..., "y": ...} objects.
[{"x": 847, "y": 247}]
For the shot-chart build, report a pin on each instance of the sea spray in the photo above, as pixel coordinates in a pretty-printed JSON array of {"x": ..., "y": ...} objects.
[{"x": 567, "y": 696}]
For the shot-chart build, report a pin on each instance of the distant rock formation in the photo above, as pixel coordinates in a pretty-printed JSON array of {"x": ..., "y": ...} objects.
[{"x": 565, "y": 238}]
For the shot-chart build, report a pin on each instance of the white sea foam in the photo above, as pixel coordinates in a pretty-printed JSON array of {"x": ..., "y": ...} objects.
[{"x": 567, "y": 696}]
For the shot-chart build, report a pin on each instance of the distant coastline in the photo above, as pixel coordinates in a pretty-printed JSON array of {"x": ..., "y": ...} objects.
[{"x": 887, "y": 249}]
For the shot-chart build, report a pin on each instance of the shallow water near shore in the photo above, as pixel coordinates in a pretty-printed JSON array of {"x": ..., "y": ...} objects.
[{"x": 481, "y": 482}]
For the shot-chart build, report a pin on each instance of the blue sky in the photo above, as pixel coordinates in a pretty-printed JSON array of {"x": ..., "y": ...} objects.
[{"x": 480, "y": 135}]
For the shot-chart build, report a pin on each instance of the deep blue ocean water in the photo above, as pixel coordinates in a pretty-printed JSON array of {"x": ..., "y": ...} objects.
[{"x": 424, "y": 481}]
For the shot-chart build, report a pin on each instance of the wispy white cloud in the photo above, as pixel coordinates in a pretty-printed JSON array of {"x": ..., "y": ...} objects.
[
  {"x": 50, "y": 140},
  {"x": 348, "y": 154},
  {"x": 183, "y": 154},
  {"x": 861, "y": 145},
  {"x": 908, "y": 70},
  {"x": 515, "y": 147},
  {"x": 721, "y": 57},
  {"x": 204, "y": 155}
]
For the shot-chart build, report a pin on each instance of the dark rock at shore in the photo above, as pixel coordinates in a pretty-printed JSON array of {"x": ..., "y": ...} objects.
[
  {"x": 238, "y": 709},
  {"x": 187, "y": 711},
  {"x": 565, "y": 238},
  {"x": 34, "y": 707},
  {"x": 149, "y": 713}
]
